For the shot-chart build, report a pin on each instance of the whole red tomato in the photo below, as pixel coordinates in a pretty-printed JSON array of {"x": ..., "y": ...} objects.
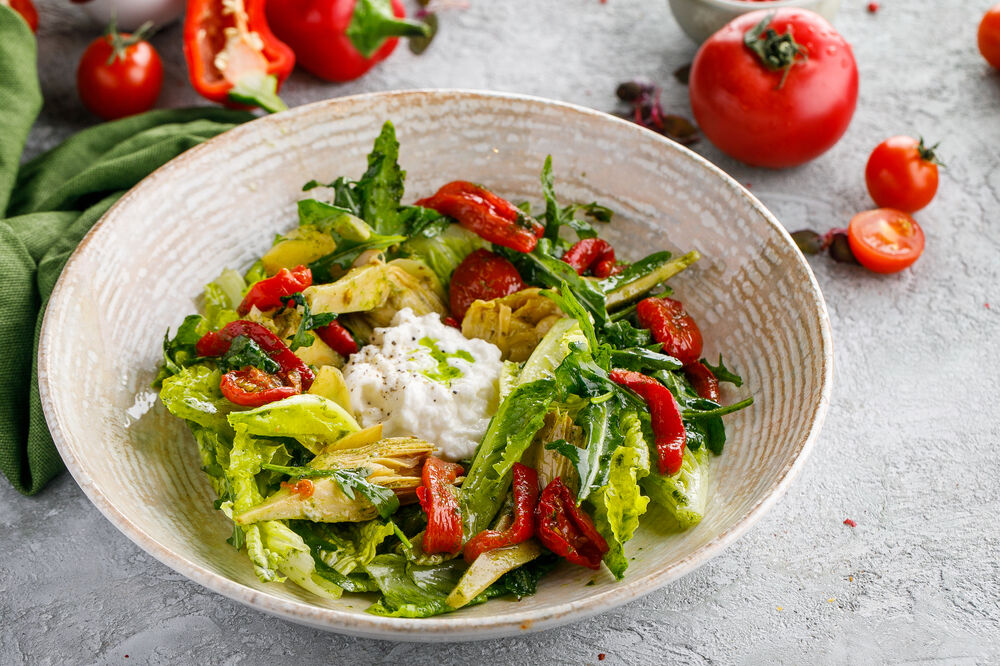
[
  {"x": 26, "y": 9},
  {"x": 774, "y": 92},
  {"x": 902, "y": 173},
  {"x": 119, "y": 75},
  {"x": 481, "y": 276},
  {"x": 989, "y": 36}
]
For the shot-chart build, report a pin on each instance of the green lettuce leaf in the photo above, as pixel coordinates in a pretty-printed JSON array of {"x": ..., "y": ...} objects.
[
  {"x": 445, "y": 251},
  {"x": 684, "y": 495},
  {"x": 380, "y": 189},
  {"x": 310, "y": 419},
  {"x": 193, "y": 394}
]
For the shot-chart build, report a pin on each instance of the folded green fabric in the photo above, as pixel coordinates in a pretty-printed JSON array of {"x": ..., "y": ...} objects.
[{"x": 51, "y": 202}]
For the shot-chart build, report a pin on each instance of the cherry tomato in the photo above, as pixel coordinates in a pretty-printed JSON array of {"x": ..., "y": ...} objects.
[
  {"x": 672, "y": 327},
  {"x": 902, "y": 173},
  {"x": 774, "y": 117},
  {"x": 26, "y": 9},
  {"x": 885, "y": 240},
  {"x": 482, "y": 276},
  {"x": 119, "y": 75},
  {"x": 252, "y": 387},
  {"x": 989, "y": 36}
]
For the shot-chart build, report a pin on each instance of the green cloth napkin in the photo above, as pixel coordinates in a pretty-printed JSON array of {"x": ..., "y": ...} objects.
[{"x": 51, "y": 202}]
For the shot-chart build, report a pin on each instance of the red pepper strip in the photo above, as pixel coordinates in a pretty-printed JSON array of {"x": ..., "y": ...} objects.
[
  {"x": 439, "y": 501},
  {"x": 292, "y": 369},
  {"x": 267, "y": 294},
  {"x": 484, "y": 213},
  {"x": 672, "y": 327},
  {"x": 451, "y": 321},
  {"x": 565, "y": 529},
  {"x": 340, "y": 40},
  {"x": 525, "y": 500},
  {"x": 338, "y": 337},
  {"x": 592, "y": 254},
  {"x": 668, "y": 428},
  {"x": 254, "y": 63},
  {"x": 252, "y": 387},
  {"x": 704, "y": 382}
]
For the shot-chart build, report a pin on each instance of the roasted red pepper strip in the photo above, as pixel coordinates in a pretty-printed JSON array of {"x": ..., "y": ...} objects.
[
  {"x": 267, "y": 294},
  {"x": 292, "y": 369},
  {"x": 668, "y": 428},
  {"x": 525, "y": 499},
  {"x": 565, "y": 529},
  {"x": 246, "y": 66},
  {"x": 593, "y": 254},
  {"x": 439, "y": 501},
  {"x": 672, "y": 327},
  {"x": 252, "y": 387},
  {"x": 340, "y": 40},
  {"x": 338, "y": 337},
  {"x": 484, "y": 213},
  {"x": 704, "y": 382}
]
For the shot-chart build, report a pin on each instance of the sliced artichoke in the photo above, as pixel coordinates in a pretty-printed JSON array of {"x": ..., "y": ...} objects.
[
  {"x": 362, "y": 289},
  {"x": 411, "y": 285},
  {"x": 299, "y": 246},
  {"x": 514, "y": 323},
  {"x": 551, "y": 464}
]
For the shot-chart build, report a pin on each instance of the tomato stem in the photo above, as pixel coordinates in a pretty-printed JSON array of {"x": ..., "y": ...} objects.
[
  {"x": 929, "y": 153},
  {"x": 120, "y": 42},
  {"x": 775, "y": 51}
]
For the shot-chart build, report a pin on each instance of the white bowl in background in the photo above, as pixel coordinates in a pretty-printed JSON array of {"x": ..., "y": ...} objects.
[{"x": 700, "y": 19}]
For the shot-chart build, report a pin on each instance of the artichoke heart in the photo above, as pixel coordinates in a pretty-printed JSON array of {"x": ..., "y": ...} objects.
[
  {"x": 551, "y": 464},
  {"x": 393, "y": 463},
  {"x": 515, "y": 323}
]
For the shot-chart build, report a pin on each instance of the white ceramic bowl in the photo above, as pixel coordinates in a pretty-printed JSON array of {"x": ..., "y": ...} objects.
[
  {"x": 699, "y": 19},
  {"x": 220, "y": 204}
]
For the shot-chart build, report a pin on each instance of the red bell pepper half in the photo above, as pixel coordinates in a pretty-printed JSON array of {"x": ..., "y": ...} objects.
[
  {"x": 267, "y": 294},
  {"x": 233, "y": 58},
  {"x": 439, "y": 501},
  {"x": 668, "y": 428},
  {"x": 491, "y": 217},
  {"x": 251, "y": 386},
  {"x": 593, "y": 254},
  {"x": 340, "y": 40},
  {"x": 565, "y": 529},
  {"x": 523, "y": 528}
]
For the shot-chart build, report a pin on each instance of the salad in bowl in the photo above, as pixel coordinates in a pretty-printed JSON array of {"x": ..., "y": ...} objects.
[{"x": 435, "y": 404}]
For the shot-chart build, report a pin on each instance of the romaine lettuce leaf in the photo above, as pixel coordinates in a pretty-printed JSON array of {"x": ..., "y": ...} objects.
[
  {"x": 685, "y": 495},
  {"x": 193, "y": 394},
  {"x": 311, "y": 419}
]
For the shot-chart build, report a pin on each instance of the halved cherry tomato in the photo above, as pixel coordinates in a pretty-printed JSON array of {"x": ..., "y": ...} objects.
[
  {"x": 119, "y": 75},
  {"x": 885, "y": 240},
  {"x": 672, "y": 327},
  {"x": 439, "y": 501},
  {"x": 27, "y": 11},
  {"x": 989, "y": 36},
  {"x": 902, "y": 173},
  {"x": 267, "y": 294},
  {"x": 702, "y": 380},
  {"x": 482, "y": 276},
  {"x": 252, "y": 387}
]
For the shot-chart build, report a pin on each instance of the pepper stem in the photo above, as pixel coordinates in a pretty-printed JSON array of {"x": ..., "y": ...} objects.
[
  {"x": 258, "y": 89},
  {"x": 373, "y": 22},
  {"x": 775, "y": 51}
]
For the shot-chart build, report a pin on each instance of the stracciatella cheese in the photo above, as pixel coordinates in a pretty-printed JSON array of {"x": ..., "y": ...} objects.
[{"x": 421, "y": 378}]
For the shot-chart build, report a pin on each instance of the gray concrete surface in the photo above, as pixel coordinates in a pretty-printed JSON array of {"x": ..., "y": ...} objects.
[{"x": 909, "y": 450}]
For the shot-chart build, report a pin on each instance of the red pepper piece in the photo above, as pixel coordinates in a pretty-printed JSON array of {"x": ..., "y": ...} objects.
[
  {"x": 292, "y": 369},
  {"x": 340, "y": 40},
  {"x": 491, "y": 217},
  {"x": 267, "y": 294},
  {"x": 481, "y": 276},
  {"x": 338, "y": 337},
  {"x": 440, "y": 502},
  {"x": 27, "y": 11},
  {"x": 672, "y": 327},
  {"x": 565, "y": 529},
  {"x": 523, "y": 528},
  {"x": 244, "y": 68},
  {"x": 668, "y": 428},
  {"x": 592, "y": 254},
  {"x": 704, "y": 382},
  {"x": 252, "y": 387},
  {"x": 451, "y": 321}
]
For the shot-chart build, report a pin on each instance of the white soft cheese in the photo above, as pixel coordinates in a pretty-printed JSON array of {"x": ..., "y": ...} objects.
[{"x": 421, "y": 378}]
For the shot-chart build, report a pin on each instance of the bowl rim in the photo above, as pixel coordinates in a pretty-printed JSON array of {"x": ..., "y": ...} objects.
[
  {"x": 747, "y": 6},
  {"x": 447, "y": 627}
]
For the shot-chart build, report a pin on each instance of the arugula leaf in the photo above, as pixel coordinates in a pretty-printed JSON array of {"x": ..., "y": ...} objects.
[
  {"x": 556, "y": 216},
  {"x": 424, "y": 222},
  {"x": 523, "y": 581},
  {"x": 623, "y": 334},
  {"x": 344, "y": 195},
  {"x": 351, "y": 481},
  {"x": 722, "y": 373},
  {"x": 179, "y": 351},
  {"x": 244, "y": 352},
  {"x": 643, "y": 359},
  {"x": 380, "y": 189},
  {"x": 346, "y": 254},
  {"x": 552, "y": 211},
  {"x": 717, "y": 411}
]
